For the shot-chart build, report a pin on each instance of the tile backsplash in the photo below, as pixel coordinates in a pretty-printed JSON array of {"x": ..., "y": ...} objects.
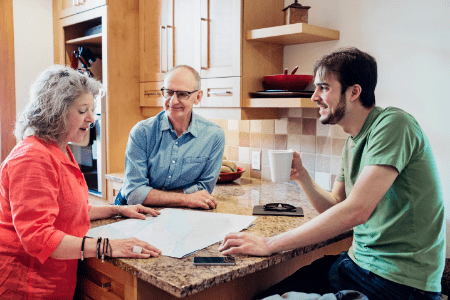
[{"x": 320, "y": 146}]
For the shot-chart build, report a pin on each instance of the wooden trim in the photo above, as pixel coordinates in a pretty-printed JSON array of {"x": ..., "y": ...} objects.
[
  {"x": 56, "y": 32},
  {"x": 122, "y": 106},
  {"x": 7, "y": 79}
]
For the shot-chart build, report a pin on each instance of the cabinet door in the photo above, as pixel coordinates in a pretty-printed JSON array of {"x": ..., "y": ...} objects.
[
  {"x": 71, "y": 7},
  {"x": 220, "y": 38},
  {"x": 186, "y": 37},
  {"x": 154, "y": 24}
]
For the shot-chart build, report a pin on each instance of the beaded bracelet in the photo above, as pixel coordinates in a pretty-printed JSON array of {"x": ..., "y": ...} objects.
[
  {"x": 118, "y": 214},
  {"x": 99, "y": 241}
]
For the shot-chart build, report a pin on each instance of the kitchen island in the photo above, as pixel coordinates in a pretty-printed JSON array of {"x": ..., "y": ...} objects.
[{"x": 171, "y": 278}]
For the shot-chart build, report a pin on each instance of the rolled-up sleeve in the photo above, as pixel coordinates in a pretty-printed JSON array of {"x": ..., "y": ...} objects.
[
  {"x": 136, "y": 184},
  {"x": 34, "y": 189}
]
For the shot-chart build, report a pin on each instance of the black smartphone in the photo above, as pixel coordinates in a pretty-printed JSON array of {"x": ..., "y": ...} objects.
[{"x": 214, "y": 261}]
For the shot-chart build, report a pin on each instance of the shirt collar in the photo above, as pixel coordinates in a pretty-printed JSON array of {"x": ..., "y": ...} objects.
[
  {"x": 193, "y": 127},
  {"x": 56, "y": 151},
  {"x": 373, "y": 114}
]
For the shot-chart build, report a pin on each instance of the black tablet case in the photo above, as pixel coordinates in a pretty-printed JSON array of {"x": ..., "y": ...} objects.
[{"x": 259, "y": 210}]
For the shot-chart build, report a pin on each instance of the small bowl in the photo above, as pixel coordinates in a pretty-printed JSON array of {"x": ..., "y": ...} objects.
[
  {"x": 228, "y": 177},
  {"x": 287, "y": 82}
]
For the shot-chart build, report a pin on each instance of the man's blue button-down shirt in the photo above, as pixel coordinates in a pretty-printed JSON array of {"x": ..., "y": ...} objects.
[{"x": 157, "y": 158}]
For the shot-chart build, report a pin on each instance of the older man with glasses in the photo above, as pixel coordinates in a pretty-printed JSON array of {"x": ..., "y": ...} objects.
[{"x": 174, "y": 158}]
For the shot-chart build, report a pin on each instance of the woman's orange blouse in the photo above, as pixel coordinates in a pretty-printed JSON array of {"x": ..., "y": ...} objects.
[{"x": 43, "y": 196}]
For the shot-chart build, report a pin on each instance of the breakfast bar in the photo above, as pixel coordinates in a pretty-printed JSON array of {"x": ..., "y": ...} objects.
[{"x": 171, "y": 278}]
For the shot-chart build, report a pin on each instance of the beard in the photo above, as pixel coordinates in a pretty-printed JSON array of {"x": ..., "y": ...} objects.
[{"x": 334, "y": 118}]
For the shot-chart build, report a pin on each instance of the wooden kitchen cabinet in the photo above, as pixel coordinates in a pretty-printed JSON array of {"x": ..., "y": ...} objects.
[
  {"x": 232, "y": 43},
  {"x": 97, "y": 280},
  {"x": 118, "y": 47},
  {"x": 200, "y": 34},
  {"x": 220, "y": 38},
  {"x": 208, "y": 35},
  {"x": 163, "y": 46},
  {"x": 72, "y": 7}
]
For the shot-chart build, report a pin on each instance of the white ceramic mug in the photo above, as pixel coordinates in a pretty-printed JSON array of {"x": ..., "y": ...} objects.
[{"x": 280, "y": 165}]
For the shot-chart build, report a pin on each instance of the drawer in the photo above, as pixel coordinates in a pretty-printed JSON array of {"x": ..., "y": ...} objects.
[
  {"x": 99, "y": 280},
  {"x": 72, "y": 7},
  {"x": 221, "y": 92},
  {"x": 150, "y": 94}
]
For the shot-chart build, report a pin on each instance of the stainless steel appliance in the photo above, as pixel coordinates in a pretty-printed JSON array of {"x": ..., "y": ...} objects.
[{"x": 88, "y": 154}]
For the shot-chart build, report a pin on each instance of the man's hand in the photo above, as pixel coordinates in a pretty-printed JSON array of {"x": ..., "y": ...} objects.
[
  {"x": 245, "y": 243},
  {"x": 200, "y": 199},
  {"x": 297, "y": 166},
  {"x": 137, "y": 211}
]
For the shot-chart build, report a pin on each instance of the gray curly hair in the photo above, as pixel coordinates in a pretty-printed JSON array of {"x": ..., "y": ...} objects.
[{"x": 51, "y": 95}]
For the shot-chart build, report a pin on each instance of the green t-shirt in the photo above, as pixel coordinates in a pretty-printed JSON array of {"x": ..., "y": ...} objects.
[{"x": 404, "y": 238}]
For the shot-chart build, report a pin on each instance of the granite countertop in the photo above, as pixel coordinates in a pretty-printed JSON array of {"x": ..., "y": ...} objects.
[{"x": 181, "y": 278}]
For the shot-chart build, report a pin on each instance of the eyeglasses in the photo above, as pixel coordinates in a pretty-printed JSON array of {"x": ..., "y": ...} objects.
[
  {"x": 181, "y": 95},
  {"x": 279, "y": 207}
]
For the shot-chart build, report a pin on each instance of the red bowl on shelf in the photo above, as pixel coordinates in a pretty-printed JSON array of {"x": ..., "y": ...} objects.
[
  {"x": 228, "y": 177},
  {"x": 287, "y": 82}
]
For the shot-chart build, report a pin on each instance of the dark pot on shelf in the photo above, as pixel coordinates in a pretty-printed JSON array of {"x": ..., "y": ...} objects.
[{"x": 287, "y": 82}]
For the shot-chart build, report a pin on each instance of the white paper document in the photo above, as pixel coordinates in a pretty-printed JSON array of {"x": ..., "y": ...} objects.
[{"x": 176, "y": 232}]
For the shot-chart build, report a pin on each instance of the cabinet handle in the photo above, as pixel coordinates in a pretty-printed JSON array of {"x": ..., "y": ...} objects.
[
  {"x": 161, "y": 49},
  {"x": 204, "y": 53},
  {"x": 226, "y": 93},
  {"x": 148, "y": 93},
  {"x": 169, "y": 66}
]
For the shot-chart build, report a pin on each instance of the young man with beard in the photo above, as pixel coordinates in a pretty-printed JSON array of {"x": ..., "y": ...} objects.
[
  {"x": 388, "y": 191},
  {"x": 174, "y": 158}
]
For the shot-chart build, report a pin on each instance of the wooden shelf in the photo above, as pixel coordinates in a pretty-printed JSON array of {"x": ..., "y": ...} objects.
[
  {"x": 281, "y": 102},
  {"x": 95, "y": 39},
  {"x": 299, "y": 33}
]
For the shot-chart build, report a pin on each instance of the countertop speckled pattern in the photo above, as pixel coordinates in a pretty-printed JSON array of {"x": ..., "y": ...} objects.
[{"x": 180, "y": 278}]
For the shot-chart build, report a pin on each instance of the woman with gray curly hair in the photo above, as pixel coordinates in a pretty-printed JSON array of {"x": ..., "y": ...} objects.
[{"x": 44, "y": 208}]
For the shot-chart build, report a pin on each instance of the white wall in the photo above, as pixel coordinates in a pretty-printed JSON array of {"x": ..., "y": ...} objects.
[
  {"x": 33, "y": 44},
  {"x": 411, "y": 42}
]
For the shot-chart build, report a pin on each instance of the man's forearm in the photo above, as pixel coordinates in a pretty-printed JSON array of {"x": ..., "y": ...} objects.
[
  {"x": 320, "y": 199},
  {"x": 339, "y": 219},
  {"x": 165, "y": 198}
]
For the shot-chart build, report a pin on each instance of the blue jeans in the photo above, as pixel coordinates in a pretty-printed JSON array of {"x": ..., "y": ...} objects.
[
  {"x": 338, "y": 273},
  {"x": 344, "y": 274},
  {"x": 120, "y": 200}
]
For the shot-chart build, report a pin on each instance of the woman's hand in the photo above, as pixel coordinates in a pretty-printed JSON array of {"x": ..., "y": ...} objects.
[
  {"x": 137, "y": 211},
  {"x": 245, "y": 243},
  {"x": 124, "y": 248}
]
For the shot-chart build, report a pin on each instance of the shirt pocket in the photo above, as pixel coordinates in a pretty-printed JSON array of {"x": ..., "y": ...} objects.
[
  {"x": 72, "y": 191},
  {"x": 192, "y": 168}
]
